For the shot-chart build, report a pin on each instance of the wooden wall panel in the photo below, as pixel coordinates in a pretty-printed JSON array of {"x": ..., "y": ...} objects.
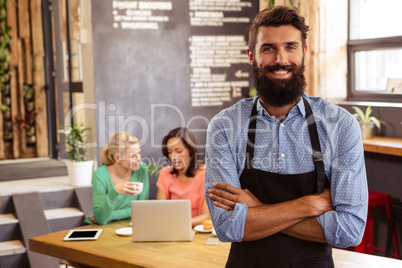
[
  {"x": 12, "y": 23},
  {"x": 2, "y": 148},
  {"x": 20, "y": 84},
  {"x": 39, "y": 79},
  {"x": 310, "y": 10},
  {"x": 14, "y": 115},
  {"x": 24, "y": 17},
  {"x": 28, "y": 62}
]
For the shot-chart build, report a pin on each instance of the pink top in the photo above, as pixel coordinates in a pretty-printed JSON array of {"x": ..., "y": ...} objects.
[{"x": 175, "y": 189}]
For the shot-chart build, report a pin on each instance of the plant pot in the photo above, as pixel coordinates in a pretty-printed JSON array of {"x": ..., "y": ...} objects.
[
  {"x": 29, "y": 106},
  {"x": 7, "y": 115},
  {"x": 7, "y": 101},
  {"x": 8, "y": 125},
  {"x": 367, "y": 130},
  {"x": 31, "y": 130},
  {"x": 80, "y": 173},
  {"x": 31, "y": 140},
  {"x": 6, "y": 90},
  {"x": 8, "y": 136}
]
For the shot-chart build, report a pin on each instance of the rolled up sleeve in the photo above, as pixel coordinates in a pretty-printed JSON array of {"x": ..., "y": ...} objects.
[
  {"x": 344, "y": 227},
  {"x": 221, "y": 166}
]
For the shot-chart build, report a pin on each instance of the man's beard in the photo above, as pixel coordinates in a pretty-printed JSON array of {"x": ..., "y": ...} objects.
[{"x": 279, "y": 92}]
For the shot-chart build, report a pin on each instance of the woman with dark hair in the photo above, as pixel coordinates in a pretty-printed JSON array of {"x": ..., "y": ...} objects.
[{"x": 184, "y": 179}]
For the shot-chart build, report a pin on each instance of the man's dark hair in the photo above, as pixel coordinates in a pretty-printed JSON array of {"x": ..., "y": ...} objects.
[
  {"x": 188, "y": 139},
  {"x": 277, "y": 16}
]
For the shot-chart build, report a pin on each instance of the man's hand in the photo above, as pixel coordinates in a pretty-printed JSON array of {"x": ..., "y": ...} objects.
[
  {"x": 264, "y": 220},
  {"x": 319, "y": 203},
  {"x": 226, "y": 196}
]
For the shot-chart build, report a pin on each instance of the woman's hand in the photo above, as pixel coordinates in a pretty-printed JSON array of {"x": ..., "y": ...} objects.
[
  {"x": 226, "y": 196},
  {"x": 92, "y": 218},
  {"x": 129, "y": 187}
]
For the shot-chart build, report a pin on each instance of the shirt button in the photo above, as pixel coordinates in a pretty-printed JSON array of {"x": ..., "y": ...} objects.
[
  {"x": 282, "y": 155},
  {"x": 282, "y": 125}
]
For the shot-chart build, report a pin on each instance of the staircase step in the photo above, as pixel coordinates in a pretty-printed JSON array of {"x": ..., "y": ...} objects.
[
  {"x": 60, "y": 213},
  {"x": 12, "y": 247},
  {"x": 7, "y": 219}
]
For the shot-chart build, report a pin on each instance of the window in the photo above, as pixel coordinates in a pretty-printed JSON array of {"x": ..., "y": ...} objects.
[{"x": 375, "y": 50}]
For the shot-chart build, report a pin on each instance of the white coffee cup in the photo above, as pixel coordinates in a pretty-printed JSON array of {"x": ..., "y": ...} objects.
[{"x": 138, "y": 186}]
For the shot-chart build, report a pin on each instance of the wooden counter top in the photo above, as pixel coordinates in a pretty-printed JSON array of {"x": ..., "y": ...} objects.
[
  {"x": 383, "y": 145},
  {"x": 111, "y": 250}
]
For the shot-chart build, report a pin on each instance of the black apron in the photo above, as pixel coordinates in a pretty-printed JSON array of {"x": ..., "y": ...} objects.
[{"x": 280, "y": 250}]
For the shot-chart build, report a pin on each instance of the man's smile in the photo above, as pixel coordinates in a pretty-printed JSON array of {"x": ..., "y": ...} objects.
[{"x": 280, "y": 74}]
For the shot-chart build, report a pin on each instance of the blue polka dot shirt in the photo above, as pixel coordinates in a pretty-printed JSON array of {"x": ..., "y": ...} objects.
[{"x": 285, "y": 148}]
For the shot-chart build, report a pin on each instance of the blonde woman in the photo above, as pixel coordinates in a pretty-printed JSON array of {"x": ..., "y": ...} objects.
[{"x": 119, "y": 180}]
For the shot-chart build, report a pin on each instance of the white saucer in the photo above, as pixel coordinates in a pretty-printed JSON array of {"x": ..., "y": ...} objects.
[
  {"x": 128, "y": 231},
  {"x": 200, "y": 228},
  {"x": 214, "y": 233}
]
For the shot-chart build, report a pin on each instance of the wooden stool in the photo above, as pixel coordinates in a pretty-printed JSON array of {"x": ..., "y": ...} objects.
[
  {"x": 396, "y": 214},
  {"x": 375, "y": 199}
]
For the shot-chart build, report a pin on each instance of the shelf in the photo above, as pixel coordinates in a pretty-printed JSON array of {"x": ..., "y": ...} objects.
[{"x": 383, "y": 145}]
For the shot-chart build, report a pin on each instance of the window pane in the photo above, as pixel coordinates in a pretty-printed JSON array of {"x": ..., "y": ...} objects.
[
  {"x": 374, "y": 67},
  {"x": 375, "y": 19}
]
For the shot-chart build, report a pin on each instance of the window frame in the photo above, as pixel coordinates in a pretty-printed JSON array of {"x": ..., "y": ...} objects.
[{"x": 354, "y": 46}]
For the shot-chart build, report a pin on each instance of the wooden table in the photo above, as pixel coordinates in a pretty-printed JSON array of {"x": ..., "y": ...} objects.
[
  {"x": 111, "y": 250},
  {"x": 383, "y": 145}
]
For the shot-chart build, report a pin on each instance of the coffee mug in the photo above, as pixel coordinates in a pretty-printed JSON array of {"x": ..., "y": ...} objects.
[{"x": 138, "y": 186}]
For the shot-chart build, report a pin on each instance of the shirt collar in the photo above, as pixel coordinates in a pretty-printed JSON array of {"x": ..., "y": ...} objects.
[{"x": 300, "y": 105}]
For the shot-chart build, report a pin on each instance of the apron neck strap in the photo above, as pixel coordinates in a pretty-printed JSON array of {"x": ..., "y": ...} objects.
[
  {"x": 315, "y": 142},
  {"x": 252, "y": 126}
]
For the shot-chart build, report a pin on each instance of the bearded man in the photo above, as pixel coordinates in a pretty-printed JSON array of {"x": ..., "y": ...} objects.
[{"x": 285, "y": 173}]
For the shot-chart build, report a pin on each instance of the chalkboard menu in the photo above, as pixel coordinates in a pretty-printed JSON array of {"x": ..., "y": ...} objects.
[{"x": 164, "y": 64}]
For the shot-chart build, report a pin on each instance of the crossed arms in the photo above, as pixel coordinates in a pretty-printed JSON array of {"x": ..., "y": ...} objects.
[{"x": 295, "y": 218}]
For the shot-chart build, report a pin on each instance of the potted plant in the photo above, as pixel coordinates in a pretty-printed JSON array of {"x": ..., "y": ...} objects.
[
  {"x": 366, "y": 121},
  {"x": 79, "y": 170},
  {"x": 153, "y": 170},
  {"x": 6, "y": 112},
  {"x": 28, "y": 93},
  {"x": 27, "y": 125}
]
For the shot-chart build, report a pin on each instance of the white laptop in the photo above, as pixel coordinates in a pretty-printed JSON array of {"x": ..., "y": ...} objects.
[{"x": 161, "y": 220}]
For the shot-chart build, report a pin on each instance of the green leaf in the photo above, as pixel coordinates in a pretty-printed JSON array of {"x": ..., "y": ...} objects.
[
  {"x": 367, "y": 115},
  {"x": 376, "y": 122},
  {"x": 5, "y": 108},
  {"x": 252, "y": 92},
  {"x": 365, "y": 118},
  {"x": 153, "y": 170},
  {"x": 75, "y": 141},
  {"x": 360, "y": 114}
]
